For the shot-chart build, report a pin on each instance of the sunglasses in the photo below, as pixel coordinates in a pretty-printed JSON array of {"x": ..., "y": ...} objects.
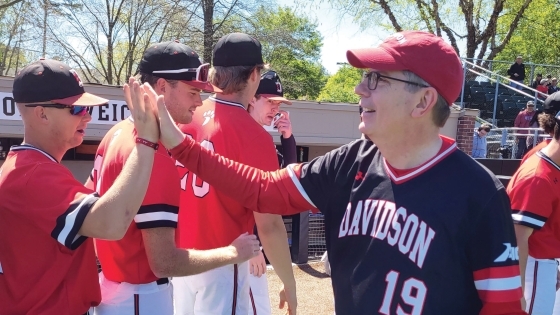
[
  {"x": 201, "y": 72},
  {"x": 75, "y": 110}
]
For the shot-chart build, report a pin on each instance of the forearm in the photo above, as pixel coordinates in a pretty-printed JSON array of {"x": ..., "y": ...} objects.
[
  {"x": 275, "y": 244},
  {"x": 187, "y": 262},
  {"x": 112, "y": 214},
  {"x": 289, "y": 150},
  {"x": 523, "y": 249},
  {"x": 253, "y": 188}
]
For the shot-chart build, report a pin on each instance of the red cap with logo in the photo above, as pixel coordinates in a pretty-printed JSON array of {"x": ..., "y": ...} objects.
[{"x": 422, "y": 53}]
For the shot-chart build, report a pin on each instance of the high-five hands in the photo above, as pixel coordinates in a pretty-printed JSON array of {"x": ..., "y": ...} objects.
[
  {"x": 142, "y": 109},
  {"x": 144, "y": 102}
]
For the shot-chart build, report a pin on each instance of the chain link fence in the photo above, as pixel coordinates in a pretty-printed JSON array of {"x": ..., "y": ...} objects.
[
  {"x": 502, "y": 142},
  {"x": 316, "y": 245}
]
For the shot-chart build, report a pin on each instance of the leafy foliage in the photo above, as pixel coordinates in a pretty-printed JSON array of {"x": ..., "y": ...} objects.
[{"x": 340, "y": 86}]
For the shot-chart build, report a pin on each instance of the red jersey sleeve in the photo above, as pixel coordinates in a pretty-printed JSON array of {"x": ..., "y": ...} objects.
[
  {"x": 160, "y": 207},
  {"x": 64, "y": 201},
  {"x": 274, "y": 192},
  {"x": 531, "y": 201}
]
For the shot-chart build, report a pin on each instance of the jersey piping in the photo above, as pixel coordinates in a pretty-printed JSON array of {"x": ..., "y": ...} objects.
[
  {"x": 30, "y": 147},
  {"x": 410, "y": 175},
  {"x": 226, "y": 102}
]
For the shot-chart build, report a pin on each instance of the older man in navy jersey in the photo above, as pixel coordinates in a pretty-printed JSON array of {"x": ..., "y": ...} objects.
[{"x": 413, "y": 225}]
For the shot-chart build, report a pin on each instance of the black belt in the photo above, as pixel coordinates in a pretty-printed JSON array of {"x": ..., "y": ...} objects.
[{"x": 162, "y": 281}]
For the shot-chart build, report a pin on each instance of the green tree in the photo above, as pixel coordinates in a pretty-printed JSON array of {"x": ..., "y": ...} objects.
[
  {"x": 536, "y": 38},
  {"x": 291, "y": 45},
  {"x": 474, "y": 22},
  {"x": 340, "y": 86}
]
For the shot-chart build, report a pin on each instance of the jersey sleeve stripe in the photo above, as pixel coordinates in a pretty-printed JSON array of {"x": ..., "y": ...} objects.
[
  {"x": 1, "y": 270},
  {"x": 496, "y": 272},
  {"x": 498, "y": 284},
  {"x": 528, "y": 219},
  {"x": 294, "y": 175},
  {"x": 69, "y": 223},
  {"x": 154, "y": 216}
]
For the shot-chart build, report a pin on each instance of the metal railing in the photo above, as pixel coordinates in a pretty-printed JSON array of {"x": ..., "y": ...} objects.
[
  {"x": 502, "y": 142},
  {"x": 496, "y": 94}
]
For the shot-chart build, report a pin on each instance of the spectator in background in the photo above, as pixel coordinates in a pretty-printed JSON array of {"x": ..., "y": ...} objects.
[
  {"x": 534, "y": 123},
  {"x": 516, "y": 72},
  {"x": 553, "y": 86},
  {"x": 543, "y": 88},
  {"x": 549, "y": 78},
  {"x": 547, "y": 122},
  {"x": 479, "y": 141},
  {"x": 537, "y": 81},
  {"x": 523, "y": 120}
]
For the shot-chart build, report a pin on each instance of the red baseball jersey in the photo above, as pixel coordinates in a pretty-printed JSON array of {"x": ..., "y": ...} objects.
[
  {"x": 534, "y": 150},
  {"x": 46, "y": 267},
  {"x": 125, "y": 260},
  {"x": 534, "y": 191},
  {"x": 208, "y": 218}
]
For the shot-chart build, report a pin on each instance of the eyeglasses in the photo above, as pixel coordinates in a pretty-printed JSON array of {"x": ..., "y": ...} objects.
[
  {"x": 373, "y": 79},
  {"x": 201, "y": 72},
  {"x": 75, "y": 110}
]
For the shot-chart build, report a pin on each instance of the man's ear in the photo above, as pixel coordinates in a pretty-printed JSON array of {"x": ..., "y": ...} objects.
[
  {"x": 40, "y": 113},
  {"x": 160, "y": 86},
  {"x": 256, "y": 75},
  {"x": 426, "y": 102}
]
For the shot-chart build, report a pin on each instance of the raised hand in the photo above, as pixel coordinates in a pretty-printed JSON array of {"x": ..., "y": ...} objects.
[
  {"x": 170, "y": 135},
  {"x": 142, "y": 110},
  {"x": 257, "y": 265},
  {"x": 245, "y": 247},
  {"x": 284, "y": 124}
]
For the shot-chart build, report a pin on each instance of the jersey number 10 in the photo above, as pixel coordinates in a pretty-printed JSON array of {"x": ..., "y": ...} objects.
[{"x": 199, "y": 189}]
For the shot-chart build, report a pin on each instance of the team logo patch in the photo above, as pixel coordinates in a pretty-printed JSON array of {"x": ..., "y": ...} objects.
[
  {"x": 77, "y": 77},
  {"x": 207, "y": 116},
  {"x": 278, "y": 87},
  {"x": 115, "y": 135}
]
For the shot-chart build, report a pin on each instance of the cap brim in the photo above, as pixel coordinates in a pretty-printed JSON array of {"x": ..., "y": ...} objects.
[
  {"x": 85, "y": 99},
  {"x": 373, "y": 58},
  {"x": 205, "y": 86},
  {"x": 276, "y": 98}
]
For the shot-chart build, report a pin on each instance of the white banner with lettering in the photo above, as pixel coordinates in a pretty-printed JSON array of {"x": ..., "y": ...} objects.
[{"x": 108, "y": 114}]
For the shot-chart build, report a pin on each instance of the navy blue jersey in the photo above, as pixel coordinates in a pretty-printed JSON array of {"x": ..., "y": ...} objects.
[{"x": 435, "y": 240}]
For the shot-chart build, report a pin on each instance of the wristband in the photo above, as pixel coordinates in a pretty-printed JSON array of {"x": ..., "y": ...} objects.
[{"x": 145, "y": 142}]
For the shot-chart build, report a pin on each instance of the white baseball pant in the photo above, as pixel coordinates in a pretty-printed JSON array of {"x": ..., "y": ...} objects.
[
  {"x": 540, "y": 286},
  {"x": 260, "y": 299},
  {"x": 220, "y": 291},
  {"x": 135, "y": 299}
]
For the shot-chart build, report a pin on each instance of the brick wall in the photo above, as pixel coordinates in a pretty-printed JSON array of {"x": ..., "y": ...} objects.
[{"x": 465, "y": 131}]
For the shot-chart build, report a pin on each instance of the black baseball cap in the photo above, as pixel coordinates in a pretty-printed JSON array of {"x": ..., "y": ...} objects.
[
  {"x": 174, "y": 61},
  {"x": 48, "y": 80},
  {"x": 237, "y": 49},
  {"x": 271, "y": 87}
]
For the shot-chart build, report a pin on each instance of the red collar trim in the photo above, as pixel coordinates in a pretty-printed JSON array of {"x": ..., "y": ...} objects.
[{"x": 398, "y": 176}]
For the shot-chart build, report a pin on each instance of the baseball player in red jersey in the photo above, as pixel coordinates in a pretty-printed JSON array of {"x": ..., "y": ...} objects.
[
  {"x": 264, "y": 108},
  {"x": 534, "y": 191},
  {"x": 47, "y": 218},
  {"x": 210, "y": 219},
  {"x": 136, "y": 268},
  {"x": 413, "y": 225}
]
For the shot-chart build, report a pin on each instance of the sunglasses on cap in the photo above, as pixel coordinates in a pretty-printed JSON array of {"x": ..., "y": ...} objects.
[
  {"x": 201, "y": 72},
  {"x": 75, "y": 110}
]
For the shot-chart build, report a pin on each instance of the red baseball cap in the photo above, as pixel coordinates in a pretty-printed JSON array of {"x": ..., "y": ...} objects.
[{"x": 422, "y": 53}]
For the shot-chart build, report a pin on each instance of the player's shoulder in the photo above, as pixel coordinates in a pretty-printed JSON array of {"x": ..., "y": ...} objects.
[
  {"x": 121, "y": 132},
  {"x": 464, "y": 169},
  {"x": 360, "y": 151}
]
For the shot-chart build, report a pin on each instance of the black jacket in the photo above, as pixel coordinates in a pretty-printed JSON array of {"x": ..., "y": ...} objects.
[{"x": 519, "y": 69}]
